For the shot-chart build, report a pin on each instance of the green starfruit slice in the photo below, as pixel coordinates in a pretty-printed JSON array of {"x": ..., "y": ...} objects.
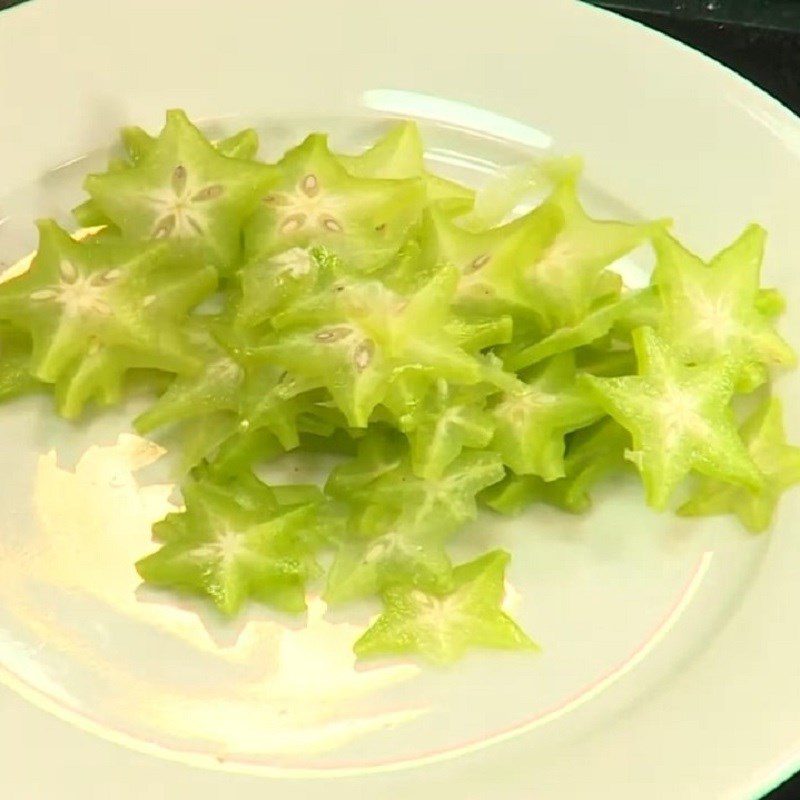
[
  {"x": 711, "y": 310},
  {"x": 598, "y": 322},
  {"x": 441, "y": 627},
  {"x": 569, "y": 276},
  {"x": 400, "y": 154},
  {"x": 80, "y": 299},
  {"x": 216, "y": 387},
  {"x": 446, "y": 421},
  {"x": 138, "y": 143},
  {"x": 370, "y": 333},
  {"x": 679, "y": 417},
  {"x": 230, "y": 551},
  {"x": 764, "y": 435},
  {"x": 313, "y": 200},
  {"x": 379, "y": 452},
  {"x": 385, "y": 551},
  {"x": 243, "y": 144},
  {"x": 592, "y": 454},
  {"x": 184, "y": 188},
  {"x": 532, "y": 420},
  {"x": 491, "y": 264},
  {"x": 443, "y": 504}
]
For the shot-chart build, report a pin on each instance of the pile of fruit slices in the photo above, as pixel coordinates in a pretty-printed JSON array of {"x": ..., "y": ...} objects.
[{"x": 450, "y": 353}]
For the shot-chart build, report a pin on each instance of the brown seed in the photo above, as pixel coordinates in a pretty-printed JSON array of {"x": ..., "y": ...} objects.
[
  {"x": 179, "y": 179},
  {"x": 208, "y": 193},
  {"x": 330, "y": 224},
  {"x": 293, "y": 223},
  {"x": 310, "y": 185},
  {"x": 380, "y": 228},
  {"x": 104, "y": 278},
  {"x": 44, "y": 294},
  {"x": 479, "y": 263},
  {"x": 276, "y": 199},
  {"x": 195, "y": 224},
  {"x": 362, "y": 355},
  {"x": 69, "y": 273},
  {"x": 333, "y": 334},
  {"x": 165, "y": 227}
]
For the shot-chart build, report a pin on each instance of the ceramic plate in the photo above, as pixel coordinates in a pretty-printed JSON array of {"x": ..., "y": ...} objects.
[{"x": 670, "y": 656}]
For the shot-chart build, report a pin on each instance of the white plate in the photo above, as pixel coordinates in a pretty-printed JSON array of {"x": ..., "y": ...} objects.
[{"x": 671, "y": 647}]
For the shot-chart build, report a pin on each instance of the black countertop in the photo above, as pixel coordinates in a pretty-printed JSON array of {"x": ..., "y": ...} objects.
[{"x": 759, "y": 39}]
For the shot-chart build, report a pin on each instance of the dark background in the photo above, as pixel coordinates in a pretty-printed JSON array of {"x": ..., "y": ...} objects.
[{"x": 760, "y": 39}]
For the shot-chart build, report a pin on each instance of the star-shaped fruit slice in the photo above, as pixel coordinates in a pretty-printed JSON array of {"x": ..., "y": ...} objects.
[
  {"x": 399, "y": 154},
  {"x": 313, "y": 200},
  {"x": 230, "y": 551},
  {"x": 598, "y": 322},
  {"x": 443, "y": 423},
  {"x": 443, "y": 503},
  {"x": 370, "y": 333},
  {"x": 80, "y": 299},
  {"x": 441, "y": 627},
  {"x": 184, "y": 188},
  {"x": 568, "y": 277},
  {"x": 765, "y": 437},
  {"x": 138, "y": 143},
  {"x": 679, "y": 418},
  {"x": 379, "y": 452},
  {"x": 712, "y": 309},
  {"x": 243, "y": 144},
  {"x": 592, "y": 453},
  {"x": 254, "y": 397},
  {"x": 216, "y": 387},
  {"x": 386, "y": 550},
  {"x": 491, "y": 264},
  {"x": 532, "y": 419},
  {"x": 275, "y": 283}
]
